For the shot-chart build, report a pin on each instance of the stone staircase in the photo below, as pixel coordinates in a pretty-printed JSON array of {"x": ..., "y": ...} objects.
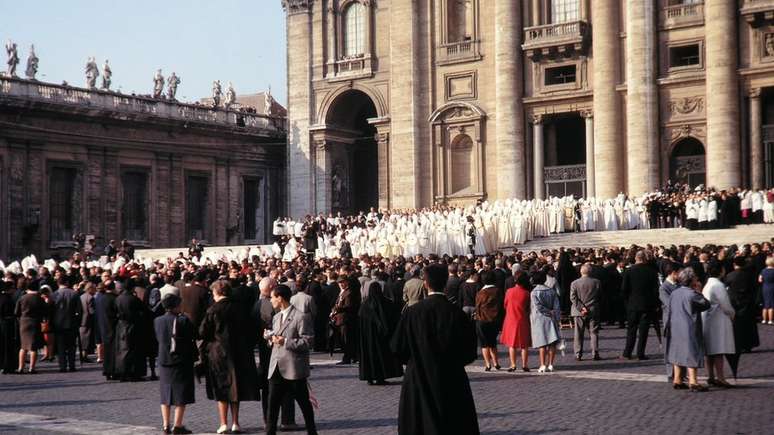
[{"x": 667, "y": 236}]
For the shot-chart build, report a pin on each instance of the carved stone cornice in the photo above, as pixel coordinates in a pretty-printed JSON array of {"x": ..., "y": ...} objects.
[
  {"x": 754, "y": 93},
  {"x": 297, "y": 6},
  {"x": 322, "y": 145},
  {"x": 587, "y": 114},
  {"x": 537, "y": 118}
]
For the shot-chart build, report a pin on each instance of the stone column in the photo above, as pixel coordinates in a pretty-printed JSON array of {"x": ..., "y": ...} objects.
[
  {"x": 608, "y": 149},
  {"x": 508, "y": 108},
  {"x": 383, "y": 151},
  {"x": 300, "y": 193},
  {"x": 756, "y": 140},
  {"x": 723, "y": 151},
  {"x": 642, "y": 138},
  {"x": 536, "y": 13},
  {"x": 588, "y": 115},
  {"x": 537, "y": 156},
  {"x": 323, "y": 176}
]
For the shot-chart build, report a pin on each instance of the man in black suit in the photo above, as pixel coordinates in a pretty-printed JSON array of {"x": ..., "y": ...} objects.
[
  {"x": 640, "y": 293},
  {"x": 741, "y": 294},
  {"x": 194, "y": 297},
  {"x": 452, "y": 289},
  {"x": 66, "y": 322}
]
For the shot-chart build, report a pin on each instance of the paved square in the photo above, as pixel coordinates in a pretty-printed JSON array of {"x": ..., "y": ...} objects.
[{"x": 608, "y": 396}]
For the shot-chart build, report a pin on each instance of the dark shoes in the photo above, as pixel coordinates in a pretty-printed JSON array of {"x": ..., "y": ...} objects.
[
  {"x": 511, "y": 369},
  {"x": 697, "y": 388},
  {"x": 166, "y": 429},
  {"x": 578, "y": 358},
  {"x": 497, "y": 367},
  {"x": 717, "y": 383},
  {"x": 643, "y": 358},
  {"x": 680, "y": 386},
  {"x": 181, "y": 430},
  {"x": 487, "y": 368},
  {"x": 290, "y": 427},
  {"x": 597, "y": 357}
]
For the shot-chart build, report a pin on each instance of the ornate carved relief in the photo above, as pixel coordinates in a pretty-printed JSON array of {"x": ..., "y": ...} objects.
[
  {"x": 296, "y": 6},
  {"x": 687, "y": 105},
  {"x": 768, "y": 45},
  {"x": 697, "y": 131},
  {"x": 564, "y": 173}
]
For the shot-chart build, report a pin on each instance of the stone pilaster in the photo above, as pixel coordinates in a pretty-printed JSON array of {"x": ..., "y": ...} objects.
[
  {"x": 608, "y": 154},
  {"x": 111, "y": 172},
  {"x": 160, "y": 231},
  {"x": 756, "y": 140},
  {"x": 723, "y": 151},
  {"x": 299, "y": 80},
  {"x": 95, "y": 221},
  {"x": 177, "y": 188},
  {"x": 220, "y": 200},
  {"x": 642, "y": 125},
  {"x": 508, "y": 108},
  {"x": 405, "y": 95},
  {"x": 20, "y": 216},
  {"x": 383, "y": 151},
  {"x": 538, "y": 156},
  {"x": 588, "y": 116}
]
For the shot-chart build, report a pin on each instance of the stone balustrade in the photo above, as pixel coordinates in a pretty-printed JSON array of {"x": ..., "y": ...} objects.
[
  {"x": 16, "y": 88},
  {"x": 691, "y": 14},
  {"x": 560, "y": 36},
  {"x": 757, "y": 12}
]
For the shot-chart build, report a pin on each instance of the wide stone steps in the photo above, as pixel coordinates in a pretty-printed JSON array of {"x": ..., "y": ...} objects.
[{"x": 665, "y": 236}]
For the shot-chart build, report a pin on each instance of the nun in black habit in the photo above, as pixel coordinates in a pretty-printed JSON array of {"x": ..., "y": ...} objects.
[
  {"x": 565, "y": 275},
  {"x": 129, "y": 362},
  {"x": 9, "y": 348},
  {"x": 378, "y": 318}
]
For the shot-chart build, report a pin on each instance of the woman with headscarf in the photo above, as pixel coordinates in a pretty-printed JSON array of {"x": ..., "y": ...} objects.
[
  {"x": 30, "y": 309},
  {"x": 516, "y": 332},
  {"x": 378, "y": 318},
  {"x": 177, "y": 353},
  {"x": 544, "y": 321},
  {"x": 228, "y": 357},
  {"x": 684, "y": 341}
]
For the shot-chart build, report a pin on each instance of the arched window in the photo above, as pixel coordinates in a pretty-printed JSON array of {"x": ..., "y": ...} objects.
[
  {"x": 354, "y": 29},
  {"x": 462, "y": 163},
  {"x": 688, "y": 162}
]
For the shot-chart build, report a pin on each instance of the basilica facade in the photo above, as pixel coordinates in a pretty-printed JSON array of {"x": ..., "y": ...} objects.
[{"x": 406, "y": 103}]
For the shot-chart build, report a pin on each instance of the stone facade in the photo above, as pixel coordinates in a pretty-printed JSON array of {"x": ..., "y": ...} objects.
[
  {"x": 112, "y": 166},
  {"x": 621, "y": 95}
]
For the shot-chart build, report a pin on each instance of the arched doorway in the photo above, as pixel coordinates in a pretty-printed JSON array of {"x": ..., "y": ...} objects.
[
  {"x": 354, "y": 159},
  {"x": 687, "y": 163}
]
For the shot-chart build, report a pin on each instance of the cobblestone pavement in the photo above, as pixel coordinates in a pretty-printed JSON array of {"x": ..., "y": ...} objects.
[{"x": 608, "y": 396}]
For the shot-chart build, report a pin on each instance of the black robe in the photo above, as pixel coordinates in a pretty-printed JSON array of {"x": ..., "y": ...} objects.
[
  {"x": 9, "y": 344},
  {"x": 436, "y": 340},
  {"x": 105, "y": 308},
  {"x": 128, "y": 342},
  {"x": 378, "y": 318},
  {"x": 227, "y": 353},
  {"x": 741, "y": 294}
]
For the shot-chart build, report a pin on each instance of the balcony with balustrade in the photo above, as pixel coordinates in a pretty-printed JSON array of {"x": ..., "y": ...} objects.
[
  {"x": 458, "y": 52},
  {"x": 758, "y": 12},
  {"x": 556, "y": 40},
  {"x": 682, "y": 15},
  {"x": 32, "y": 93}
]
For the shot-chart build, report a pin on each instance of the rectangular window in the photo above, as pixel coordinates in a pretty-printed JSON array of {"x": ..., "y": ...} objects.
[
  {"x": 61, "y": 203},
  {"x": 685, "y": 55},
  {"x": 563, "y": 11},
  {"x": 560, "y": 75},
  {"x": 251, "y": 202},
  {"x": 134, "y": 211},
  {"x": 197, "y": 192}
]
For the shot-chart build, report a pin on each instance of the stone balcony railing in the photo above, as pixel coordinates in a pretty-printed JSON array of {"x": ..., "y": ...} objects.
[
  {"x": 33, "y": 90},
  {"x": 564, "y": 173},
  {"x": 758, "y": 12},
  {"x": 682, "y": 15},
  {"x": 458, "y": 51},
  {"x": 556, "y": 38}
]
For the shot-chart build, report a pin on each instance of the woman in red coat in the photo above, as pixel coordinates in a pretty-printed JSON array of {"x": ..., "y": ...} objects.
[{"x": 516, "y": 327}]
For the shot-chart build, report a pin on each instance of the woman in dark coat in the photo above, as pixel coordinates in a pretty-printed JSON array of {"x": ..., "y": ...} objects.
[
  {"x": 378, "y": 318},
  {"x": 105, "y": 309},
  {"x": 31, "y": 309},
  {"x": 128, "y": 344},
  {"x": 176, "y": 381},
  {"x": 228, "y": 356},
  {"x": 488, "y": 309},
  {"x": 9, "y": 349},
  {"x": 565, "y": 275}
]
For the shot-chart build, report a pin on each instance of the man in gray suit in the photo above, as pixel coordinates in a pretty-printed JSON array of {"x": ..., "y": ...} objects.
[
  {"x": 584, "y": 295},
  {"x": 291, "y": 338}
]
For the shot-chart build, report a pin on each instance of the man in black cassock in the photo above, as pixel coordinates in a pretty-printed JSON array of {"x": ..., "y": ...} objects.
[
  {"x": 105, "y": 308},
  {"x": 129, "y": 363},
  {"x": 9, "y": 346},
  {"x": 435, "y": 340}
]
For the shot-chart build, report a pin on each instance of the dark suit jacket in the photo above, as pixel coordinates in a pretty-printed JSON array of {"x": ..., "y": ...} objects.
[
  {"x": 185, "y": 350},
  {"x": 640, "y": 288},
  {"x": 452, "y": 290},
  {"x": 67, "y": 310}
]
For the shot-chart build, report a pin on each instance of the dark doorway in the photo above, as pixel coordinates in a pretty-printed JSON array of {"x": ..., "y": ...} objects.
[
  {"x": 688, "y": 163},
  {"x": 565, "y": 156},
  {"x": 357, "y": 164}
]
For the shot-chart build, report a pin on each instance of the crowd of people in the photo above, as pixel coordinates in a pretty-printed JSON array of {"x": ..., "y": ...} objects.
[
  {"x": 183, "y": 318},
  {"x": 487, "y": 227}
]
